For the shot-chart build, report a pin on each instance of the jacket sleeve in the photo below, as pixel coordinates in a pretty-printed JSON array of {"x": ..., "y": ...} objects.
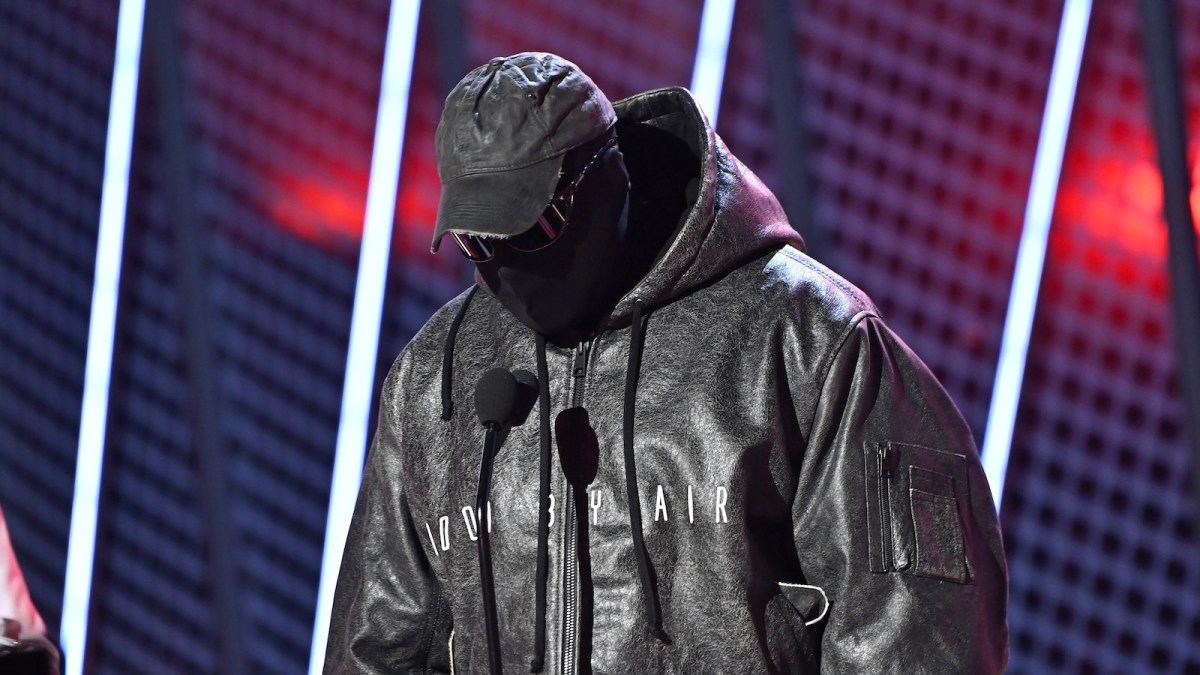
[
  {"x": 389, "y": 615},
  {"x": 894, "y": 520}
]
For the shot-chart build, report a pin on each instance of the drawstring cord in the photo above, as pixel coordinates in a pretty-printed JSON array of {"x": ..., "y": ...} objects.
[
  {"x": 543, "y": 556},
  {"x": 448, "y": 356},
  {"x": 635, "y": 509},
  {"x": 635, "y": 505}
]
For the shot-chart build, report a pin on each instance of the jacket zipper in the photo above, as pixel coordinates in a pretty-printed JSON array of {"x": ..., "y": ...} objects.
[
  {"x": 885, "y": 506},
  {"x": 571, "y": 553}
]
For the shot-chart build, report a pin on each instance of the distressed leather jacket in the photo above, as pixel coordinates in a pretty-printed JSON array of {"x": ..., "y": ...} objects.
[{"x": 746, "y": 471}]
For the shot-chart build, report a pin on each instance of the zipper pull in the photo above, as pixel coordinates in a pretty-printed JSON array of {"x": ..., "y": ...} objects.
[
  {"x": 887, "y": 460},
  {"x": 580, "y": 368}
]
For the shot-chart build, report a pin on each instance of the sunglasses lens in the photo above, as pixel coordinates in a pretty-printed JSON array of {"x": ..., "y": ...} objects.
[
  {"x": 475, "y": 248},
  {"x": 548, "y": 227}
]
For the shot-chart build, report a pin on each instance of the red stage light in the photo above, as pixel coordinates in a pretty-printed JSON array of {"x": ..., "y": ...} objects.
[
  {"x": 327, "y": 211},
  {"x": 1119, "y": 201}
]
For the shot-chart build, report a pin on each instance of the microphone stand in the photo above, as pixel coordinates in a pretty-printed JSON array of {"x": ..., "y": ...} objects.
[{"x": 483, "y": 513}]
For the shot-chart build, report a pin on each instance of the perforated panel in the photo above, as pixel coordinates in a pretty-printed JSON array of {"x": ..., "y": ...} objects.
[
  {"x": 626, "y": 46},
  {"x": 280, "y": 102},
  {"x": 1099, "y": 512},
  {"x": 923, "y": 119},
  {"x": 55, "y": 69}
]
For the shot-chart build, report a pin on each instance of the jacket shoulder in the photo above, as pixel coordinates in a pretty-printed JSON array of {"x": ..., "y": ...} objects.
[{"x": 811, "y": 292}]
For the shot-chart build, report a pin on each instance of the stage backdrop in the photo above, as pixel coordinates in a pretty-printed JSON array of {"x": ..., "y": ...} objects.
[{"x": 903, "y": 153}]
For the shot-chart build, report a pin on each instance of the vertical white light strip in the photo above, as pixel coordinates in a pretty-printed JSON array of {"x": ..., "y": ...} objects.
[
  {"x": 708, "y": 73},
  {"x": 81, "y": 546},
  {"x": 398, "y": 57},
  {"x": 1031, "y": 253}
]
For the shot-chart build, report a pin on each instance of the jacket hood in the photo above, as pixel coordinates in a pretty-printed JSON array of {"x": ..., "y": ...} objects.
[{"x": 734, "y": 217}]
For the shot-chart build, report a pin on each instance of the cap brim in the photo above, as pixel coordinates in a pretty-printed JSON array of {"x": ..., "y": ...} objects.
[{"x": 496, "y": 203}]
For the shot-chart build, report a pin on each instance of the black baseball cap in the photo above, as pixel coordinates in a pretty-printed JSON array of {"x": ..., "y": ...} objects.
[{"x": 502, "y": 137}]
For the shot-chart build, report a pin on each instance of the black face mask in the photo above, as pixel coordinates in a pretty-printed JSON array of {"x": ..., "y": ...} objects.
[{"x": 566, "y": 289}]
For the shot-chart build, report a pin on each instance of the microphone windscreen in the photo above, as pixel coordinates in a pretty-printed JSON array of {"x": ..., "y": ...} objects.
[
  {"x": 525, "y": 379},
  {"x": 495, "y": 396},
  {"x": 527, "y": 396}
]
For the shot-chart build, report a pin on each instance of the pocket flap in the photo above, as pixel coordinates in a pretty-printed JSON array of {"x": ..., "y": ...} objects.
[{"x": 809, "y": 601}]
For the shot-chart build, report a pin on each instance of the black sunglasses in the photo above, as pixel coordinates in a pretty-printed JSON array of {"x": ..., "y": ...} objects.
[{"x": 548, "y": 228}]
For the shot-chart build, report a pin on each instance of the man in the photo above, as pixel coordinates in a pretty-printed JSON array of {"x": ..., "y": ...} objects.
[{"x": 734, "y": 465}]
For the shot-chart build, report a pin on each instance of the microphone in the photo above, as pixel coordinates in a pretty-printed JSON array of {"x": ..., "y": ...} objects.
[
  {"x": 505, "y": 398},
  {"x": 502, "y": 398},
  {"x": 495, "y": 397},
  {"x": 527, "y": 395}
]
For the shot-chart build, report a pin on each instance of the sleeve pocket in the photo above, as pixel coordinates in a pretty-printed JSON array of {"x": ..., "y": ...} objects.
[
  {"x": 938, "y": 537},
  {"x": 913, "y": 495}
]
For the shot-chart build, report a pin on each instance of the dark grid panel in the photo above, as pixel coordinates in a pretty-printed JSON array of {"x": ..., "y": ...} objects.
[
  {"x": 285, "y": 111},
  {"x": 1099, "y": 517},
  {"x": 280, "y": 99},
  {"x": 626, "y": 46},
  {"x": 923, "y": 119},
  {"x": 55, "y": 77},
  {"x": 151, "y": 585}
]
